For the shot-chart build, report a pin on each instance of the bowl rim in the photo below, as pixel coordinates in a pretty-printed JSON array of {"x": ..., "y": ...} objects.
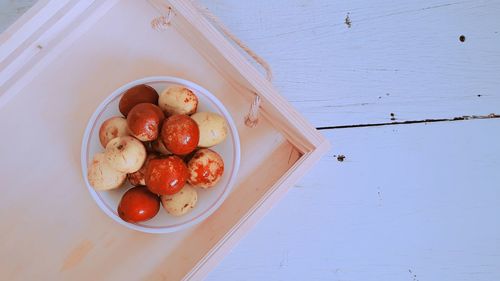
[{"x": 174, "y": 80}]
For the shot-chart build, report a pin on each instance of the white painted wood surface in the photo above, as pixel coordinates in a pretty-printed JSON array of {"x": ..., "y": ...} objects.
[
  {"x": 401, "y": 57},
  {"x": 11, "y": 10},
  {"x": 410, "y": 202}
]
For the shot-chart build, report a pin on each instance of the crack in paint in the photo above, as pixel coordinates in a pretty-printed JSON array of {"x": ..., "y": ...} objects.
[{"x": 459, "y": 118}]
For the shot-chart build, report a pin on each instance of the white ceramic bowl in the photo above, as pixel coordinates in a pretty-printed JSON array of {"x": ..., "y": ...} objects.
[{"x": 208, "y": 200}]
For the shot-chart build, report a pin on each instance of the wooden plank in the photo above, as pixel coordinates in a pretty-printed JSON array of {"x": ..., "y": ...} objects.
[
  {"x": 11, "y": 10},
  {"x": 397, "y": 57},
  {"x": 413, "y": 202},
  {"x": 30, "y": 56},
  {"x": 401, "y": 58},
  {"x": 99, "y": 60},
  {"x": 228, "y": 60},
  {"x": 432, "y": 212},
  {"x": 75, "y": 233}
]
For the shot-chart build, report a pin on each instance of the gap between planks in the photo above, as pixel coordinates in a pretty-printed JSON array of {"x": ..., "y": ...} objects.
[{"x": 460, "y": 118}]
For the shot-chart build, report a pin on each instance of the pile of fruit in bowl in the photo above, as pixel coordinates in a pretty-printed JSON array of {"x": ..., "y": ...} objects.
[{"x": 162, "y": 146}]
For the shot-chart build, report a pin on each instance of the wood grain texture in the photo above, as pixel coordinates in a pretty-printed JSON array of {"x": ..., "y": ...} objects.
[
  {"x": 397, "y": 57},
  {"x": 11, "y": 10},
  {"x": 230, "y": 62},
  {"x": 73, "y": 78},
  {"x": 414, "y": 202}
]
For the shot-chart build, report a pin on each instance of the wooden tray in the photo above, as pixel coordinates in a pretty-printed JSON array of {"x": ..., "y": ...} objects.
[{"x": 58, "y": 62}]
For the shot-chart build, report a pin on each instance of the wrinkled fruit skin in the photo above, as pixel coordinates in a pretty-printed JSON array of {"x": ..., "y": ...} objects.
[
  {"x": 138, "y": 204},
  {"x": 166, "y": 176},
  {"x": 136, "y": 95},
  {"x": 180, "y": 134}
]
